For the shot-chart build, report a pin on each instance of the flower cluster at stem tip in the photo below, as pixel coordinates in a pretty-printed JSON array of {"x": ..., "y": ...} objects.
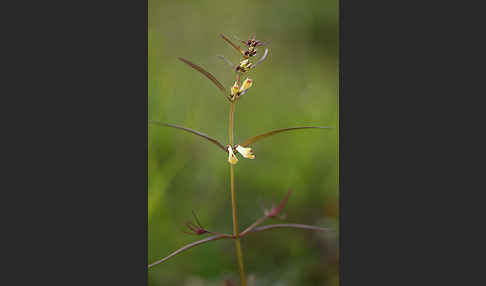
[{"x": 236, "y": 90}]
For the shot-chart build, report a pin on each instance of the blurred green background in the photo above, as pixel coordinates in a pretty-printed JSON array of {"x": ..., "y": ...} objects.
[{"x": 296, "y": 85}]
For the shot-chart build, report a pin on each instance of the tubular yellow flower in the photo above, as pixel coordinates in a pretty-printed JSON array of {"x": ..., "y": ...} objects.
[
  {"x": 244, "y": 65},
  {"x": 246, "y": 152},
  {"x": 231, "y": 157},
  {"x": 234, "y": 89},
  {"x": 246, "y": 84}
]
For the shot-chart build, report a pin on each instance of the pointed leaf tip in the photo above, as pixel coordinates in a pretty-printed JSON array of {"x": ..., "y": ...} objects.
[
  {"x": 205, "y": 73},
  {"x": 261, "y": 136},
  {"x": 233, "y": 44}
]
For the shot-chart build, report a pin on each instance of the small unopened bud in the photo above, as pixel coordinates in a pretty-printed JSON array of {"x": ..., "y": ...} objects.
[
  {"x": 245, "y": 152},
  {"x": 231, "y": 157},
  {"x": 195, "y": 229},
  {"x": 234, "y": 89},
  {"x": 246, "y": 84}
]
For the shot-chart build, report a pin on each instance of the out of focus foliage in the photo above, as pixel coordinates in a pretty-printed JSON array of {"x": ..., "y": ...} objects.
[{"x": 297, "y": 85}]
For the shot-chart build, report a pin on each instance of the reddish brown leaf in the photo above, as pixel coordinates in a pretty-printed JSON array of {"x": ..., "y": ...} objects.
[
  {"x": 204, "y": 72},
  {"x": 191, "y": 131},
  {"x": 233, "y": 45},
  {"x": 261, "y": 136}
]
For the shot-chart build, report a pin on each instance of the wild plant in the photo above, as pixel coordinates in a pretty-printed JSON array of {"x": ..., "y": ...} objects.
[{"x": 248, "y": 50}]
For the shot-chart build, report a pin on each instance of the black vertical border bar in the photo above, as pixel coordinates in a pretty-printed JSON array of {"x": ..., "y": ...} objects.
[
  {"x": 340, "y": 138},
  {"x": 78, "y": 177},
  {"x": 82, "y": 185},
  {"x": 145, "y": 282}
]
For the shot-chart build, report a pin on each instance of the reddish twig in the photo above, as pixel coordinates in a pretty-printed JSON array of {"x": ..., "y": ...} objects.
[
  {"x": 191, "y": 245},
  {"x": 251, "y": 229},
  {"x": 198, "y": 229},
  {"x": 255, "y": 224},
  {"x": 272, "y": 213},
  {"x": 226, "y": 236},
  {"x": 289, "y": 225}
]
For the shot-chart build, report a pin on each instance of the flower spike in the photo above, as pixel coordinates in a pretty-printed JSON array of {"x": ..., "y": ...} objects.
[{"x": 231, "y": 156}]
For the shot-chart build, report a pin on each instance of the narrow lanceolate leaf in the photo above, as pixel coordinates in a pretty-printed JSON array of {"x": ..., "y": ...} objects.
[
  {"x": 191, "y": 131},
  {"x": 233, "y": 45},
  {"x": 262, "y": 58},
  {"x": 204, "y": 72},
  {"x": 261, "y": 136}
]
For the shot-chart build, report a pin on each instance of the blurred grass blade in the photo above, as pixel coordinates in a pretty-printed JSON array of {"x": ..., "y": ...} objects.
[
  {"x": 262, "y": 58},
  {"x": 238, "y": 39},
  {"x": 227, "y": 61},
  {"x": 261, "y": 136},
  {"x": 204, "y": 72},
  {"x": 264, "y": 43},
  {"x": 191, "y": 131},
  {"x": 233, "y": 45}
]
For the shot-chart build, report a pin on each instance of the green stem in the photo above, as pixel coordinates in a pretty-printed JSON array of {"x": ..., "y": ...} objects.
[{"x": 239, "y": 252}]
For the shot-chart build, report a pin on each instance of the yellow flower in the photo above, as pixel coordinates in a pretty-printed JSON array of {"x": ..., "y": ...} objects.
[
  {"x": 246, "y": 84},
  {"x": 234, "y": 89},
  {"x": 246, "y": 152},
  {"x": 231, "y": 157},
  {"x": 245, "y": 65}
]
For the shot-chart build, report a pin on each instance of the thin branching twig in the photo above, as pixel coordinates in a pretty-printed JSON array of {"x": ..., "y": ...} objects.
[
  {"x": 288, "y": 225},
  {"x": 191, "y": 245},
  {"x": 272, "y": 213},
  {"x": 228, "y": 236}
]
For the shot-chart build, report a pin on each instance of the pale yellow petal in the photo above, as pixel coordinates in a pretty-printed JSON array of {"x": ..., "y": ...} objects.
[
  {"x": 246, "y": 84},
  {"x": 245, "y": 152},
  {"x": 234, "y": 89},
  {"x": 231, "y": 156}
]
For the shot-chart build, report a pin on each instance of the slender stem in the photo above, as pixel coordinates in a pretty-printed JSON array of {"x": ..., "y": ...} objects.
[
  {"x": 232, "y": 173},
  {"x": 233, "y": 202},
  {"x": 231, "y": 116},
  {"x": 241, "y": 266},
  {"x": 236, "y": 234}
]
